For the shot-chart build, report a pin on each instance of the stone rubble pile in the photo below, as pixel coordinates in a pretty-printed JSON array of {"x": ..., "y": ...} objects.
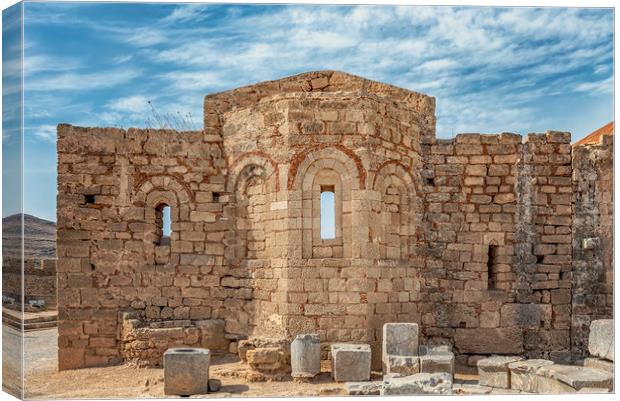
[
  {"x": 408, "y": 368},
  {"x": 546, "y": 377}
]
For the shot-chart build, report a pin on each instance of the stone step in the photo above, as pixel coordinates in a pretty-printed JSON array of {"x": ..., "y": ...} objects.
[
  {"x": 565, "y": 378},
  {"x": 30, "y": 325}
]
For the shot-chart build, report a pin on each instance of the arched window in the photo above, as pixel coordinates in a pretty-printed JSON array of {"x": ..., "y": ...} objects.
[{"x": 163, "y": 224}]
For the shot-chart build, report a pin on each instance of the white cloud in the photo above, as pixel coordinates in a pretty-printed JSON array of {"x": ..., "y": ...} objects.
[
  {"x": 132, "y": 104},
  {"x": 46, "y": 132},
  {"x": 79, "y": 81},
  {"x": 195, "y": 80},
  {"x": 486, "y": 66},
  {"x": 145, "y": 37},
  {"x": 185, "y": 13},
  {"x": 597, "y": 87}
]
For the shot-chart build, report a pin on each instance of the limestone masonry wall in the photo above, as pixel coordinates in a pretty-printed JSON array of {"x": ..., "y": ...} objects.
[
  {"x": 592, "y": 243},
  {"x": 470, "y": 237},
  {"x": 39, "y": 283}
]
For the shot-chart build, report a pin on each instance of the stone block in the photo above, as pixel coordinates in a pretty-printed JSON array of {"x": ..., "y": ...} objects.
[
  {"x": 399, "y": 339},
  {"x": 212, "y": 335},
  {"x": 437, "y": 360},
  {"x": 268, "y": 360},
  {"x": 421, "y": 383},
  {"x": 186, "y": 371},
  {"x": 494, "y": 372},
  {"x": 350, "y": 362},
  {"x": 555, "y": 379},
  {"x": 525, "y": 315},
  {"x": 601, "y": 339},
  {"x": 500, "y": 341},
  {"x": 601, "y": 364},
  {"x": 306, "y": 355},
  {"x": 363, "y": 388},
  {"x": 523, "y": 375},
  {"x": 471, "y": 389},
  {"x": 402, "y": 365}
]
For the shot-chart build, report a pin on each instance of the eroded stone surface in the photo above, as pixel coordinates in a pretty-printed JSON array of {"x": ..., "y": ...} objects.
[
  {"x": 400, "y": 339},
  {"x": 470, "y": 389},
  {"x": 565, "y": 378},
  {"x": 350, "y": 362},
  {"x": 596, "y": 363},
  {"x": 402, "y": 365},
  {"x": 523, "y": 375},
  {"x": 601, "y": 340},
  {"x": 186, "y": 371},
  {"x": 436, "y": 359},
  {"x": 421, "y": 383},
  {"x": 494, "y": 371},
  {"x": 306, "y": 355},
  {"x": 363, "y": 388}
]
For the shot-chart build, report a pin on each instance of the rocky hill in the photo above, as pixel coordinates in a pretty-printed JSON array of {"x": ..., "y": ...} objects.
[{"x": 39, "y": 236}]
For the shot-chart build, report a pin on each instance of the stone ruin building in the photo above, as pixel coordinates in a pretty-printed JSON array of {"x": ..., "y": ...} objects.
[{"x": 494, "y": 244}]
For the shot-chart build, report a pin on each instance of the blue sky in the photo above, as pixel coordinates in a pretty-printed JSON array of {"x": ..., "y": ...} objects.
[{"x": 491, "y": 69}]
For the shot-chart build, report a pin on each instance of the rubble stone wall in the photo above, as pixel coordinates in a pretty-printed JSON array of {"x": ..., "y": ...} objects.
[
  {"x": 112, "y": 184},
  {"x": 592, "y": 296},
  {"x": 498, "y": 212}
]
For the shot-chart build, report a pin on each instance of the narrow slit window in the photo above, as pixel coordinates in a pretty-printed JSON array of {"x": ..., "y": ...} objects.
[
  {"x": 491, "y": 273},
  {"x": 328, "y": 213},
  {"x": 164, "y": 225}
]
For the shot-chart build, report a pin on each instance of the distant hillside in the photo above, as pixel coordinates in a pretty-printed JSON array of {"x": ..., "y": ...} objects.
[{"x": 39, "y": 236}]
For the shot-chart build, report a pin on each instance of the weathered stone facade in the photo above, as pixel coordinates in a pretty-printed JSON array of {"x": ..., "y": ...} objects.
[
  {"x": 593, "y": 246},
  {"x": 469, "y": 237}
]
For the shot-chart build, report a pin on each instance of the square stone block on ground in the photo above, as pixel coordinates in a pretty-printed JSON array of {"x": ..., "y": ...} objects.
[
  {"x": 421, "y": 383},
  {"x": 556, "y": 379},
  {"x": 493, "y": 371},
  {"x": 186, "y": 371},
  {"x": 523, "y": 375},
  {"x": 306, "y": 356},
  {"x": 601, "y": 339},
  {"x": 351, "y": 362},
  {"x": 400, "y": 339}
]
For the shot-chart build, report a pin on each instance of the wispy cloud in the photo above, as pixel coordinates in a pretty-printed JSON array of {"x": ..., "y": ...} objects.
[
  {"x": 45, "y": 132},
  {"x": 80, "y": 81},
  {"x": 484, "y": 65},
  {"x": 132, "y": 104},
  {"x": 603, "y": 86}
]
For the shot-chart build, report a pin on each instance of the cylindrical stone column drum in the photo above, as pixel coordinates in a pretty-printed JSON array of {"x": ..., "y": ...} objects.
[{"x": 306, "y": 355}]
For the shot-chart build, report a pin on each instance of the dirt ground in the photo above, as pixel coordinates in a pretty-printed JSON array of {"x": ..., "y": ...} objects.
[{"x": 44, "y": 381}]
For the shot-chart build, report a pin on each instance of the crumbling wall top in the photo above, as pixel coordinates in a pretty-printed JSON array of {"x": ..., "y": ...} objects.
[{"x": 317, "y": 81}]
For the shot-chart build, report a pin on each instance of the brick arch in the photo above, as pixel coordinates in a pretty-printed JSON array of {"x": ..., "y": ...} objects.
[
  {"x": 396, "y": 188},
  {"x": 351, "y": 164},
  {"x": 395, "y": 168},
  {"x": 162, "y": 184},
  {"x": 241, "y": 169}
]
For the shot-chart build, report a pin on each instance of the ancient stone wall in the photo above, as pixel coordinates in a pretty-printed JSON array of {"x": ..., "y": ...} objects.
[
  {"x": 39, "y": 281},
  {"x": 498, "y": 214},
  {"x": 112, "y": 187},
  {"x": 592, "y": 245},
  {"x": 469, "y": 237}
]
